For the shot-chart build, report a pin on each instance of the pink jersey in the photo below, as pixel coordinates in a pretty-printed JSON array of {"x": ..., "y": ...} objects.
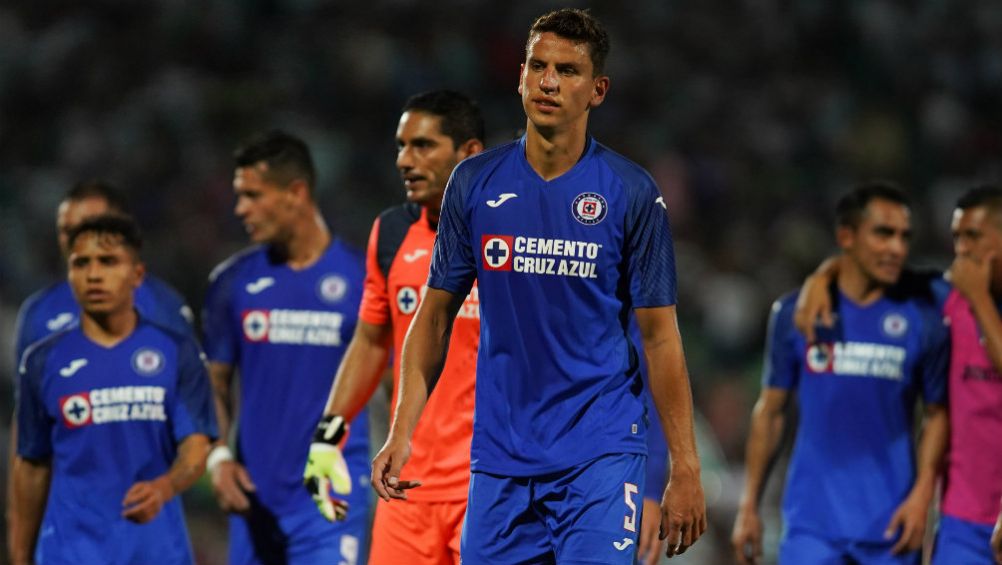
[{"x": 973, "y": 482}]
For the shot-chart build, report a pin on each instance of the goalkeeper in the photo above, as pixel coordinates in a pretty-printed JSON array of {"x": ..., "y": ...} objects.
[{"x": 436, "y": 131}]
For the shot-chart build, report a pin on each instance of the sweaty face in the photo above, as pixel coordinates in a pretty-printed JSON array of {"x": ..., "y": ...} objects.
[
  {"x": 425, "y": 157},
  {"x": 976, "y": 233},
  {"x": 266, "y": 208},
  {"x": 879, "y": 244},
  {"x": 71, "y": 213},
  {"x": 556, "y": 81},
  {"x": 103, "y": 273}
]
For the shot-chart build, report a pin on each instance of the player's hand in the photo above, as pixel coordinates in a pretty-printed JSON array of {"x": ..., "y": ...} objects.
[
  {"x": 747, "y": 537},
  {"x": 814, "y": 306},
  {"x": 683, "y": 511},
  {"x": 326, "y": 470},
  {"x": 386, "y": 470},
  {"x": 144, "y": 499},
  {"x": 997, "y": 540},
  {"x": 971, "y": 276},
  {"x": 650, "y": 547},
  {"x": 910, "y": 518},
  {"x": 231, "y": 482}
]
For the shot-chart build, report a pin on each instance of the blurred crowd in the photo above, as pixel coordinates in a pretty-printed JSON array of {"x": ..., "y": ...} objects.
[{"x": 753, "y": 116}]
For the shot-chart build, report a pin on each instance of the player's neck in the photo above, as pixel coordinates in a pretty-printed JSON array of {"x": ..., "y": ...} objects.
[
  {"x": 309, "y": 240},
  {"x": 109, "y": 329},
  {"x": 552, "y": 152},
  {"x": 858, "y": 287}
]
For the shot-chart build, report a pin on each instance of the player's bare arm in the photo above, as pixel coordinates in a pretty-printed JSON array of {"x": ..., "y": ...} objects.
[
  {"x": 422, "y": 360},
  {"x": 814, "y": 304},
  {"x": 767, "y": 422},
  {"x": 230, "y": 480},
  {"x": 361, "y": 370},
  {"x": 31, "y": 480},
  {"x": 683, "y": 506},
  {"x": 651, "y": 545},
  {"x": 911, "y": 516},
  {"x": 145, "y": 499}
]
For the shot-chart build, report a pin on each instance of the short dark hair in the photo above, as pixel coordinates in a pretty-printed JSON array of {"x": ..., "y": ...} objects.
[
  {"x": 849, "y": 209},
  {"x": 116, "y": 225},
  {"x": 580, "y": 27},
  {"x": 460, "y": 115},
  {"x": 287, "y": 156},
  {"x": 98, "y": 188},
  {"x": 987, "y": 195}
]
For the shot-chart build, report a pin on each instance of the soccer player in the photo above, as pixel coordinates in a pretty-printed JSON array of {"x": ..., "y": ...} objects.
[
  {"x": 282, "y": 313},
  {"x": 972, "y": 485},
  {"x": 563, "y": 237},
  {"x": 854, "y": 492},
  {"x": 114, "y": 416},
  {"x": 437, "y": 130},
  {"x": 54, "y": 307}
]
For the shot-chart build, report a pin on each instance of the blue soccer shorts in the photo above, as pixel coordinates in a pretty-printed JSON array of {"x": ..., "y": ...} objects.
[
  {"x": 305, "y": 537},
  {"x": 802, "y": 547},
  {"x": 589, "y": 513},
  {"x": 961, "y": 541}
]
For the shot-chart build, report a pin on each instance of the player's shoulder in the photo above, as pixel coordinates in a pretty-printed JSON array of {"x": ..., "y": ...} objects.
[
  {"x": 161, "y": 289},
  {"x": 343, "y": 250},
  {"x": 182, "y": 341},
  {"x": 36, "y": 353},
  {"x": 39, "y": 299},
  {"x": 402, "y": 214},
  {"x": 784, "y": 306},
  {"x": 630, "y": 173},
  {"x": 477, "y": 166},
  {"x": 236, "y": 263},
  {"x": 924, "y": 287}
]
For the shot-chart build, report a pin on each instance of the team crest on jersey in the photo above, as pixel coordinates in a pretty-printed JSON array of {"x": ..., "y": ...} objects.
[
  {"x": 148, "y": 361},
  {"x": 496, "y": 251},
  {"x": 332, "y": 288},
  {"x": 894, "y": 325},
  {"x": 819, "y": 358},
  {"x": 255, "y": 324},
  {"x": 589, "y": 208},
  {"x": 407, "y": 300},
  {"x": 76, "y": 410}
]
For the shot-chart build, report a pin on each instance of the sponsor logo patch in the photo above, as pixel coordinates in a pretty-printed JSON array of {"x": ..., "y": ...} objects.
[
  {"x": 496, "y": 252},
  {"x": 407, "y": 300}
]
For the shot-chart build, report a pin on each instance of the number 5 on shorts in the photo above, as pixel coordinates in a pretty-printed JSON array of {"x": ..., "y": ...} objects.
[{"x": 630, "y": 520}]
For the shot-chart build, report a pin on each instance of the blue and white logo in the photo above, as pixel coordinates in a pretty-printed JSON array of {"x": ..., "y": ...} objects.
[
  {"x": 894, "y": 325},
  {"x": 332, "y": 288},
  {"x": 407, "y": 300},
  {"x": 589, "y": 208},
  {"x": 148, "y": 361}
]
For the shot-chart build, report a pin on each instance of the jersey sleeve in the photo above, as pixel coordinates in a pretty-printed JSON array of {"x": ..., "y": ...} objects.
[
  {"x": 935, "y": 363},
  {"x": 781, "y": 368},
  {"x": 453, "y": 262},
  {"x": 220, "y": 337},
  {"x": 34, "y": 425},
  {"x": 27, "y": 329},
  {"x": 192, "y": 411},
  {"x": 375, "y": 307},
  {"x": 651, "y": 257}
]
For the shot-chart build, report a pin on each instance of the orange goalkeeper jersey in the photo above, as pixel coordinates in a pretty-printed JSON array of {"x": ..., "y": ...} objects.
[{"x": 397, "y": 263}]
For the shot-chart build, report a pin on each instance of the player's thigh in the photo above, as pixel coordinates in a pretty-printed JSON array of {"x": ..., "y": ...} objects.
[
  {"x": 303, "y": 538},
  {"x": 960, "y": 541},
  {"x": 880, "y": 554},
  {"x": 593, "y": 511},
  {"x": 409, "y": 532},
  {"x": 501, "y": 526},
  {"x": 452, "y": 515},
  {"x": 799, "y": 547}
]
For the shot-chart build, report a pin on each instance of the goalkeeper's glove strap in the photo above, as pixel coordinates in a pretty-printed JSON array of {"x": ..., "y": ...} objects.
[{"x": 331, "y": 429}]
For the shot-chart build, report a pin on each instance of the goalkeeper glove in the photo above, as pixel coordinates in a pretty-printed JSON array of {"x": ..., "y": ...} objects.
[{"x": 326, "y": 469}]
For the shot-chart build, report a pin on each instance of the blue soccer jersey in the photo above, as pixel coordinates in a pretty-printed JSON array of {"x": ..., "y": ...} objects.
[
  {"x": 54, "y": 308},
  {"x": 560, "y": 264},
  {"x": 286, "y": 331},
  {"x": 108, "y": 418},
  {"x": 853, "y": 460}
]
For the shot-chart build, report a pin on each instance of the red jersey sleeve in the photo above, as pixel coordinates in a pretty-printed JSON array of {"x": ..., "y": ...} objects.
[{"x": 375, "y": 307}]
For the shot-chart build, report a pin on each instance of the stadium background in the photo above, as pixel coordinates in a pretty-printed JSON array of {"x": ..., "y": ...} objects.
[{"x": 753, "y": 117}]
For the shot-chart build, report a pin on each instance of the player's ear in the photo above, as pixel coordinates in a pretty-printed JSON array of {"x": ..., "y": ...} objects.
[
  {"x": 299, "y": 190},
  {"x": 845, "y": 236},
  {"x": 140, "y": 273},
  {"x": 470, "y": 147},
  {"x": 600, "y": 90},
  {"x": 521, "y": 76}
]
